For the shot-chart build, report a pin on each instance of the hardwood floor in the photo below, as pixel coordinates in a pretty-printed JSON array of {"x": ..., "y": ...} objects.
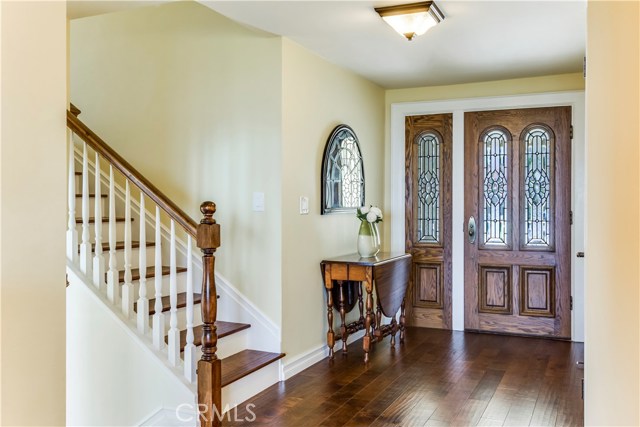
[{"x": 436, "y": 378}]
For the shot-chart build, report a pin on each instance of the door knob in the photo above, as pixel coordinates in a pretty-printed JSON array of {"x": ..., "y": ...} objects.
[{"x": 471, "y": 230}]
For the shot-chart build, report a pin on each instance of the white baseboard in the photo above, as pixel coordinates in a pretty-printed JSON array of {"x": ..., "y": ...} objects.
[{"x": 298, "y": 364}]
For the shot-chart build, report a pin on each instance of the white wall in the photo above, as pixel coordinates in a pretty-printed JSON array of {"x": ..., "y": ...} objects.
[
  {"x": 317, "y": 96},
  {"x": 192, "y": 100},
  {"x": 113, "y": 379},
  {"x": 32, "y": 213},
  {"x": 612, "y": 349}
]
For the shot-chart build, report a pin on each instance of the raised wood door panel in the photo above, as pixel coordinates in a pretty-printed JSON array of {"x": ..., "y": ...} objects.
[
  {"x": 517, "y": 189},
  {"x": 428, "y": 163}
]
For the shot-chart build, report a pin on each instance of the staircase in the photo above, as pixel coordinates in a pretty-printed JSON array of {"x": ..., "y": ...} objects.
[{"x": 152, "y": 281}]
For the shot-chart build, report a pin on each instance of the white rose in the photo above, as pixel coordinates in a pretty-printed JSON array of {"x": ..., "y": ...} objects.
[
  {"x": 372, "y": 217},
  {"x": 364, "y": 210},
  {"x": 377, "y": 211}
]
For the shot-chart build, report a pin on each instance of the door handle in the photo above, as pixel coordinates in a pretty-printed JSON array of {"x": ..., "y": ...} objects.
[{"x": 471, "y": 230}]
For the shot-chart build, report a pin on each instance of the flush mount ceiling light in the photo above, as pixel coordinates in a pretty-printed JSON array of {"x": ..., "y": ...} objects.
[{"x": 411, "y": 20}]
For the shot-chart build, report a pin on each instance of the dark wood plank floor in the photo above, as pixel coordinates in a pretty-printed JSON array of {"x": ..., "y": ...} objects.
[{"x": 436, "y": 378}]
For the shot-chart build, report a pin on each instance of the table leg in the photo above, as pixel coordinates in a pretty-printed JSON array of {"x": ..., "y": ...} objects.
[
  {"x": 328, "y": 283},
  {"x": 343, "y": 327},
  {"x": 378, "y": 332},
  {"x": 402, "y": 321},
  {"x": 368, "y": 320},
  {"x": 394, "y": 329},
  {"x": 360, "y": 303}
]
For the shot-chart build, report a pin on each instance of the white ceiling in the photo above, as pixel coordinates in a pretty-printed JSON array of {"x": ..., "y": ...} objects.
[{"x": 477, "y": 41}]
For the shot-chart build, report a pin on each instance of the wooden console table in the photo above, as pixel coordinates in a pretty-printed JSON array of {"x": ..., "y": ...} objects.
[{"x": 388, "y": 273}]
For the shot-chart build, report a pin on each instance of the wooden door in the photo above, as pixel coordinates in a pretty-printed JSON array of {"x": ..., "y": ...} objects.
[
  {"x": 428, "y": 219},
  {"x": 517, "y": 204}
]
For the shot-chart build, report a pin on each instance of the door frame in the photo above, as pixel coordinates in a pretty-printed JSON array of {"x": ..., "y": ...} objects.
[{"x": 458, "y": 107}]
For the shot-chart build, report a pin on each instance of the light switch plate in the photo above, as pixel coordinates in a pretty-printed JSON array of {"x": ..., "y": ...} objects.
[
  {"x": 258, "y": 202},
  {"x": 304, "y": 205}
]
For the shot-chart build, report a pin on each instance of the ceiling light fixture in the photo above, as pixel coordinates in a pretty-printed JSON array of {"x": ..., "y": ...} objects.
[{"x": 411, "y": 20}]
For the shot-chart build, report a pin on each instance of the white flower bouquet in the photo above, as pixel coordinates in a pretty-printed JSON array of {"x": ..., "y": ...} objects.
[{"x": 371, "y": 214}]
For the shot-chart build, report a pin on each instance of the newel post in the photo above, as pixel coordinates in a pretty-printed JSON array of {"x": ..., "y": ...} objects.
[{"x": 209, "y": 373}]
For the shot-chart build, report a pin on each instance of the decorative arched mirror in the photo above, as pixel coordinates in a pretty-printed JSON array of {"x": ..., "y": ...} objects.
[{"x": 342, "y": 172}]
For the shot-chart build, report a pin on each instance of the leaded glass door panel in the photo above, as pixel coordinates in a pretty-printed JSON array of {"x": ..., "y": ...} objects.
[
  {"x": 517, "y": 203},
  {"x": 428, "y": 219}
]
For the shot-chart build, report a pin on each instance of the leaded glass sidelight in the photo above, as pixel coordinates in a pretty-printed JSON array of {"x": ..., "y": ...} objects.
[
  {"x": 537, "y": 180},
  {"x": 495, "y": 188},
  {"x": 428, "y": 187},
  {"x": 342, "y": 172}
]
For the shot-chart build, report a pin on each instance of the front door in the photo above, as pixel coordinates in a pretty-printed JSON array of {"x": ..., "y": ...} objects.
[
  {"x": 428, "y": 218},
  {"x": 517, "y": 206}
]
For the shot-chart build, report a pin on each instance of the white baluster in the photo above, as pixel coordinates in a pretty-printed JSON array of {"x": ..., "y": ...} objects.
[
  {"x": 143, "y": 301},
  {"x": 158, "y": 317},
  {"x": 85, "y": 247},
  {"x": 98, "y": 258},
  {"x": 72, "y": 233},
  {"x": 113, "y": 279},
  {"x": 127, "y": 288},
  {"x": 189, "y": 348},
  {"x": 174, "y": 332}
]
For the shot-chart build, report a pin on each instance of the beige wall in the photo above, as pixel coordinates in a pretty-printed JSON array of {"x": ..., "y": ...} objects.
[
  {"x": 612, "y": 364},
  {"x": 553, "y": 83},
  {"x": 193, "y": 101},
  {"x": 33, "y": 213},
  {"x": 317, "y": 96}
]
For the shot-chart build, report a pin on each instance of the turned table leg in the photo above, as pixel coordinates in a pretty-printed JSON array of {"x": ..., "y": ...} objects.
[
  {"x": 402, "y": 322},
  {"x": 328, "y": 283},
  {"x": 378, "y": 332},
  {"x": 368, "y": 320},
  {"x": 343, "y": 327},
  {"x": 394, "y": 330},
  {"x": 360, "y": 304}
]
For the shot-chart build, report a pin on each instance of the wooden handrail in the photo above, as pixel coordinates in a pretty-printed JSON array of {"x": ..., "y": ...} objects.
[{"x": 95, "y": 142}]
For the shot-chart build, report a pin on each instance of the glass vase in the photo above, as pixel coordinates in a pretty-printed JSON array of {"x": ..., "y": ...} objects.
[{"x": 368, "y": 239}]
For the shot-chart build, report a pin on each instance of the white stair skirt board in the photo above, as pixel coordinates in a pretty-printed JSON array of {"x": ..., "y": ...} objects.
[{"x": 183, "y": 416}]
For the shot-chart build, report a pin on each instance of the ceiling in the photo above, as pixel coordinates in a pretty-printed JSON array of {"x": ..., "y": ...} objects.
[{"x": 477, "y": 41}]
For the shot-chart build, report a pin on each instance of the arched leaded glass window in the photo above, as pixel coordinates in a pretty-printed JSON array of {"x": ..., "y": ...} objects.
[
  {"x": 495, "y": 176},
  {"x": 342, "y": 172},
  {"x": 428, "y": 186},
  {"x": 537, "y": 198}
]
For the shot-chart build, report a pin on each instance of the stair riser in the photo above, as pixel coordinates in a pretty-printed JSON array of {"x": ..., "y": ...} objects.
[
  {"x": 181, "y": 281},
  {"x": 135, "y": 257},
  {"x": 229, "y": 345},
  {"x": 92, "y": 206},
  {"x": 182, "y": 318},
  {"x": 105, "y": 231}
]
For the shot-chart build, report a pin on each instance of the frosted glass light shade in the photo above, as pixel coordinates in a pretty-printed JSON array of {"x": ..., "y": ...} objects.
[{"x": 411, "y": 20}]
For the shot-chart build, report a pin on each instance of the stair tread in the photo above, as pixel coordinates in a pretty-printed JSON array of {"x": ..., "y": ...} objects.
[
  {"x": 224, "y": 329},
  {"x": 166, "y": 302},
  {"x": 104, "y": 196},
  {"x": 120, "y": 245},
  {"x": 246, "y": 362},
  {"x": 151, "y": 272},
  {"x": 104, "y": 219}
]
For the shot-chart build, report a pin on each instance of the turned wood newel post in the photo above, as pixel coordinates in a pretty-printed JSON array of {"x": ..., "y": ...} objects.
[{"x": 209, "y": 374}]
